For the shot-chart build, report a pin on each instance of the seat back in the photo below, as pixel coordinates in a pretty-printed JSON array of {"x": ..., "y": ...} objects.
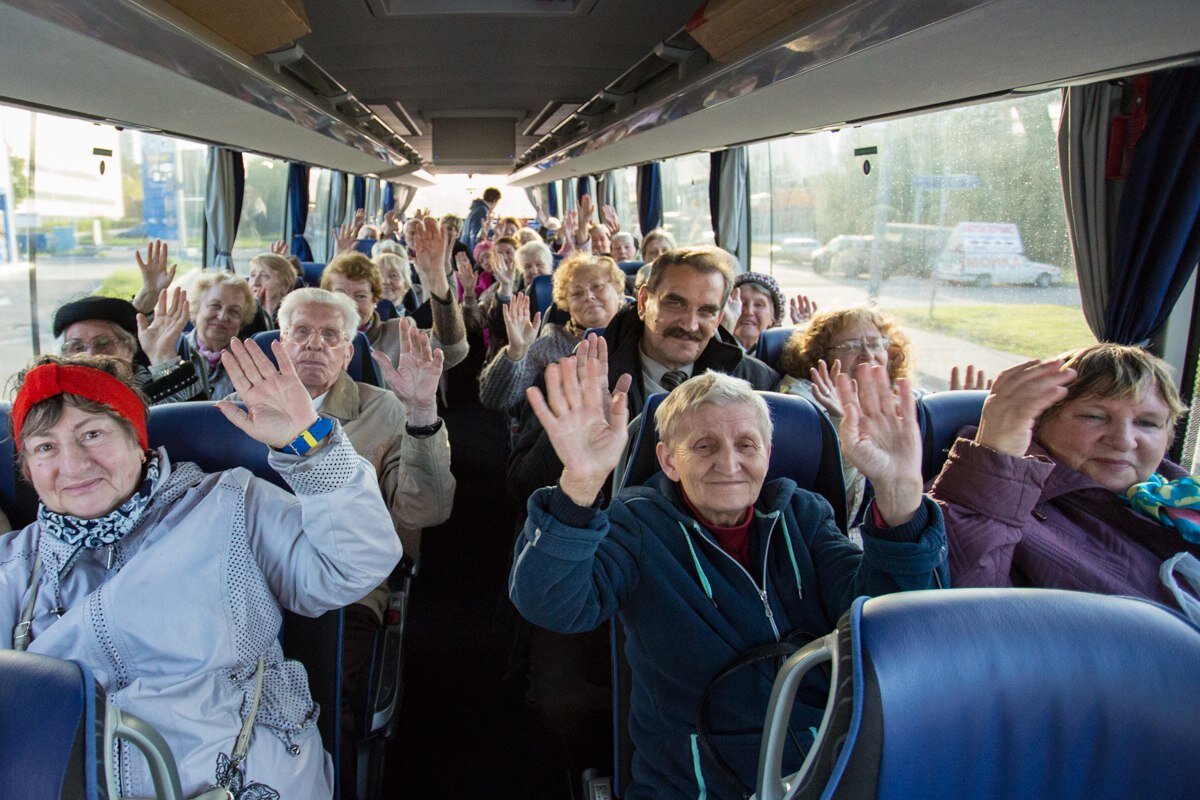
[
  {"x": 541, "y": 293},
  {"x": 386, "y": 310},
  {"x": 18, "y": 501},
  {"x": 941, "y": 416},
  {"x": 49, "y": 730},
  {"x": 804, "y": 447},
  {"x": 770, "y": 345},
  {"x": 365, "y": 246},
  {"x": 630, "y": 267},
  {"x": 361, "y": 367},
  {"x": 999, "y": 694},
  {"x": 312, "y": 272}
]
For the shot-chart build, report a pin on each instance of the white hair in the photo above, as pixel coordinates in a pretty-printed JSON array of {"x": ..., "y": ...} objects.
[
  {"x": 715, "y": 388},
  {"x": 320, "y": 297},
  {"x": 529, "y": 248},
  {"x": 388, "y": 246}
]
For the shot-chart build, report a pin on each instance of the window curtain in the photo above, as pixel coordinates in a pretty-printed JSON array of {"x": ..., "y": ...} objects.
[
  {"x": 650, "y": 203},
  {"x": 728, "y": 174},
  {"x": 360, "y": 193},
  {"x": 1091, "y": 199},
  {"x": 389, "y": 196},
  {"x": 224, "y": 190},
  {"x": 372, "y": 191},
  {"x": 1158, "y": 220},
  {"x": 570, "y": 196},
  {"x": 297, "y": 194},
  {"x": 337, "y": 198},
  {"x": 552, "y": 198},
  {"x": 607, "y": 188},
  {"x": 534, "y": 193},
  {"x": 404, "y": 198}
]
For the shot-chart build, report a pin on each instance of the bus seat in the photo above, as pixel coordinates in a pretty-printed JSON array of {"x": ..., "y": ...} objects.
[
  {"x": 365, "y": 246},
  {"x": 815, "y": 466},
  {"x": 770, "y": 345},
  {"x": 311, "y": 272},
  {"x": 630, "y": 267},
  {"x": 941, "y": 416},
  {"x": 997, "y": 694},
  {"x": 386, "y": 310},
  {"x": 18, "y": 501},
  {"x": 541, "y": 293},
  {"x": 361, "y": 367},
  {"x": 54, "y": 726},
  {"x": 557, "y": 258}
]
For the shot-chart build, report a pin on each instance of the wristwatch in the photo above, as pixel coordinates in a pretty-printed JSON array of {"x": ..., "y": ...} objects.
[
  {"x": 310, "y": 438},
  {"x": 423, "y": 431}
]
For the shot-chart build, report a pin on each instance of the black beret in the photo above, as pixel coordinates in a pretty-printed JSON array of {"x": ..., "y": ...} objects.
[{"x": 109, "y": 309}]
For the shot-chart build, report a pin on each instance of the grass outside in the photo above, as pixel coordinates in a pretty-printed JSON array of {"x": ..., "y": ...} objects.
[
  {"x": 1035, "y": 330},
  {"x": 123, "y": 283}
]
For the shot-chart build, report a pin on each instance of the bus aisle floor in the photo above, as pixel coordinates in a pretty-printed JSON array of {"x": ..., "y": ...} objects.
[{"x": 465, "y": 727}]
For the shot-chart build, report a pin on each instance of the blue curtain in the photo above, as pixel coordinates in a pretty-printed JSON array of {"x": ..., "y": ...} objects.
[
  {"x": 1158, "y": 220},
  {"x": 360, "y": 192},
  {"x": 297, "y": 194},
  {"x": 389, "y": 197},
  {"x": 552, "y": 201},
  {"x": 650, "y": 206}
]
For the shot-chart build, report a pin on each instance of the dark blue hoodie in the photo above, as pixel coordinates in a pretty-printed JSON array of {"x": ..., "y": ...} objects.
[{"x": 689, "y": 608}]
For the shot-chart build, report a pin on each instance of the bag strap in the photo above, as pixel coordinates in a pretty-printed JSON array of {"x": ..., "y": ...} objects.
[
  {"x": 242, "y": 745},
  {"x": 775, "y": 650},
  {"x": 22, "y": 634}
]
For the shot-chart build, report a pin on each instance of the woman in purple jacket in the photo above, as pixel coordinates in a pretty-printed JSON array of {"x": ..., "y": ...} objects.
[{"x": 1065, "y": 484}]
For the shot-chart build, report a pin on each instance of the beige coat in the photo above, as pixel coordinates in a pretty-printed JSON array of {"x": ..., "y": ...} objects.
[
  {"x": 414, "y": 474},
  {"x": 448, "y": 333}
]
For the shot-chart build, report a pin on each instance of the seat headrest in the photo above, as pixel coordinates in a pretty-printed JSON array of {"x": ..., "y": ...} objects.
[
  {"x": 941, "y": 416},
  {"x": 199, "y": 432}
]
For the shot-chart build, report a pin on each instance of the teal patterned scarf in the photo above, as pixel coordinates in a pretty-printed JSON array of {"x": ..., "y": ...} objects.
[{"x": 1174, "y": 504}]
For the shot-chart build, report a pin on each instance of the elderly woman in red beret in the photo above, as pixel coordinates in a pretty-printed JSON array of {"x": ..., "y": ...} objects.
[{"x": 169, "y": 582}]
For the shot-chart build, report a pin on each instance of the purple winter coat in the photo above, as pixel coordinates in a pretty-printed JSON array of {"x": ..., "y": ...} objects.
[{"x": 1034, "y": 522}]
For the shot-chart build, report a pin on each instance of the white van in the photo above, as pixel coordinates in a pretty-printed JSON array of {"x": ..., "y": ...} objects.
[{"x": 983, "y": 253}]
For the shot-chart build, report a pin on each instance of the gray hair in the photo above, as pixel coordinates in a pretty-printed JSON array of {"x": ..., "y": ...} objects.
[
  {"x": 623, "y": 236},
  {"x": 388, "y": 246},
  {"x": 715, "y": 388},
  {"x": 529, "y": 248},
  {"x": 342, "y": 303}
]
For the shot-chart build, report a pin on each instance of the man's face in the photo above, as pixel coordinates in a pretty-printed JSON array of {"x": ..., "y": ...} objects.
[
  {"x": 681, "y": 315},
  {"x": 315, "y": 341}
]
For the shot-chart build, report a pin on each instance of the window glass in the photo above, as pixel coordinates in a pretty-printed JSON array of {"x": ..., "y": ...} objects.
[
  {"x": 453, "y": 194},
  {"x": 952, "y": 221},
  {"x": 263, "y": 207},
  {"x": 627, "y": 212},
  {"x": 319, "y": 225},
  {"x": 78, "y": 200},
  {"x": 685, "y": 199}
]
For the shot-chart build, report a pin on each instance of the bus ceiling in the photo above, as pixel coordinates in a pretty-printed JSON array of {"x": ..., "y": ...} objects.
[{"x": 552, "y": 90}]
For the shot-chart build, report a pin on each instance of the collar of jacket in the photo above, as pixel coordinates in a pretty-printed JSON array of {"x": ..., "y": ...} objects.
[
  {"x": 342, "y": 399},
  {"x": 772, "y": 499},
  {"x": 624, "y": 336}
]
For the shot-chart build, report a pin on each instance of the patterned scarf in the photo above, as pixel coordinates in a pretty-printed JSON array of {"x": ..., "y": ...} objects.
[
  {"x": 1174, "y": 504},
  {"x": 213, "y": 357},
  {"x": 91, "y": 534}
]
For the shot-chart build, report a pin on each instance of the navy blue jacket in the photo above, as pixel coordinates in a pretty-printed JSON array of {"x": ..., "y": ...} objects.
[
  {"x": 689, "y": 608},
  {"x": 476, "y": 216}
]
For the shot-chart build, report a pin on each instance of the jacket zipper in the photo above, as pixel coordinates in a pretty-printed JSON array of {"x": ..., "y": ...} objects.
[
  {"x": 762, "y": 593},
  {"x": 512, "y": 581}
]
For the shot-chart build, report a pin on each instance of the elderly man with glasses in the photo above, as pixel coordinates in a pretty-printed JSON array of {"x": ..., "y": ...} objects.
[{"x": 397, "y": 429}]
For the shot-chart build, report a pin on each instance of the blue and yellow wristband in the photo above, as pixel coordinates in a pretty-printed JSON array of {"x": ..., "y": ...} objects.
[{"x": 310, "y": 438}]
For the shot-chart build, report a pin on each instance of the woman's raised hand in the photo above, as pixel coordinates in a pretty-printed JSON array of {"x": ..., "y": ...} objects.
[
  {"x": 975, "y": 379},
  {"x": 824, "y": 387},
  {"x": 1020, "y": 395},
  {"x": 429, "y": 244},
  {"x": 159, "y": 337},
  {"x": 278, "y": 407},
  {"x": 611, "y": 220},
  {"x": 279, "y": 247},
  {"x": 466, "y": 274},
  {"x": 156, "y": 276},
  {"x": 880, "y": 436},
  {"x": 801, "y": 309},
  {"x": 585, "y": 423},
  {"x": 733, "y": 309},
  {"x": 521, "y": 329}
]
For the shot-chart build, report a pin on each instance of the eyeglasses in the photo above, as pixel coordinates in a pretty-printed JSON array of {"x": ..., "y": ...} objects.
[
  {"x": 101, "y": 344},
  {"x": 302, "y": 334},
  {"x": 876, "y": 343}
]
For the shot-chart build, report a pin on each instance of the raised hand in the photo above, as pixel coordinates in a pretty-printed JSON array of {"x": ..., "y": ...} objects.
[
  {"x": 824, "y": 387},
  {"x": 569, "y": 230},
  {"x": 415, "y": 375},
  {"x": 466, "y": 274},
  {"x": 586, "y": 425},
  {"x": 159, "y": 337},
  {"x": 542, "y": 217},
  {"x": 429, "y": 244},
  {"x": 521, "y": 329},
  {"x": 389, "y": 225},
  {"x": 346, "y": 235},
  {"x": 156, "y": 276},
  {"x": 584, "y": 218},
  {"x": 801, "y": 309},
  {"x": 505, "y": 273},
  {"x": 609, "y": 215},
  {"x": 975, "y": 379},
  {"x": 278, "y": 407},
  {"x": 880, "y": 436},
  {"x": 1019, "y": 396},
  {"x": 733, "y": 308},
  {"x": 279, "y": 247}
]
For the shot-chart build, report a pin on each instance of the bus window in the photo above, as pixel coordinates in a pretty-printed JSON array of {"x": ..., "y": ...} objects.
[
  {"x": 951, "y": 221},
  {"x": 263, "y": 209},
  {"x": 79, "y": 200},
  {"x": 685, "y": 199}
]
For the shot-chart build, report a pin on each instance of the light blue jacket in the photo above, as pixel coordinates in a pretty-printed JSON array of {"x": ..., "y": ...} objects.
[{"x": 174, "y": 630}]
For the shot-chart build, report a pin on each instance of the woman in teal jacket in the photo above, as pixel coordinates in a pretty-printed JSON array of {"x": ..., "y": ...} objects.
[{"x": 707, "y": 562}]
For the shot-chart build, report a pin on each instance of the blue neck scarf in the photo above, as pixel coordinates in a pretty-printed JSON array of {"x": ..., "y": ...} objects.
[{"x": 91, "y": 534}]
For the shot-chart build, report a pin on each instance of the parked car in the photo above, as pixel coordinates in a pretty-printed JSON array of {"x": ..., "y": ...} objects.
[
  {"x": 794, "y": 249},
  {"x": 848, "y": 255},
  {"x": 984, "y": 253}
]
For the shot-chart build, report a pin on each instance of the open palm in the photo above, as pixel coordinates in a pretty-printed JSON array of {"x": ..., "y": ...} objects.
[{"x": 278, "y": 407}]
